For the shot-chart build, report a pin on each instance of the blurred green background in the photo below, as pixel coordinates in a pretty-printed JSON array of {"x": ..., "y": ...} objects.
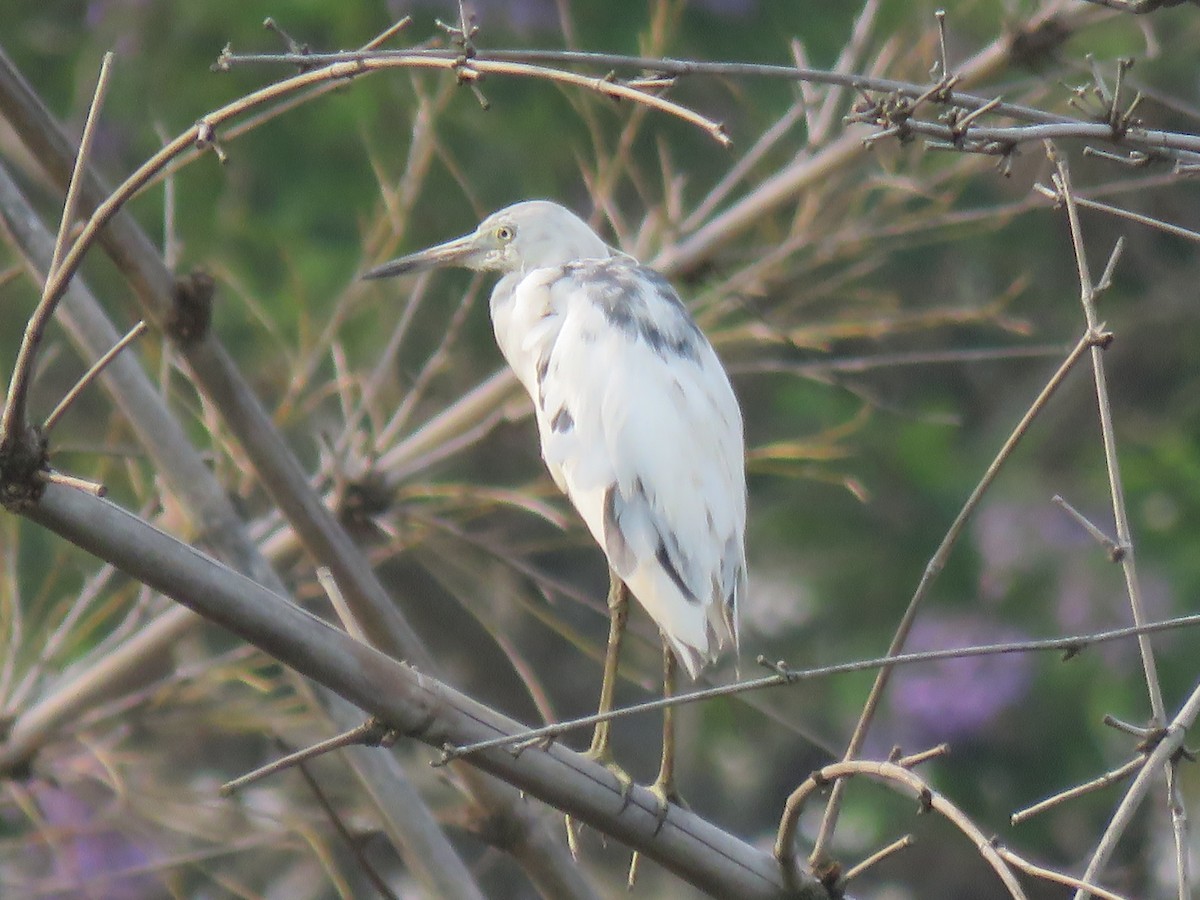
[{"x": 855, "y": 474}]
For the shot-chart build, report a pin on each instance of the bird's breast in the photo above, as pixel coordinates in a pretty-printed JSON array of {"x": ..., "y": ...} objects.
[{"x": 526, "y": 318}]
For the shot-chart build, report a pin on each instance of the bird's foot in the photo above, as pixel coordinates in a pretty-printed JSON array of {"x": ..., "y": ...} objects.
[
  {"x": 604, "y": 757},
  {"x": 665, "y": 793}
]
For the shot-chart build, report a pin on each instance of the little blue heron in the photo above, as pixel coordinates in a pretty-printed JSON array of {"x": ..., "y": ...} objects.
[{"x": 639, "y": 428}]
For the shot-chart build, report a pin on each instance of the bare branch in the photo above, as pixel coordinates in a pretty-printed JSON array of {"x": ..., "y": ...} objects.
[
  {"x": 898, "y": 778},
  {"x": 91, "y": 374},
  {"x": 1088, "y": 292}
]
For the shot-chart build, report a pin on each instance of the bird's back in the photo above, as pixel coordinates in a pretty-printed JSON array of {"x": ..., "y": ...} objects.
[{"x": 640, "y": 428}]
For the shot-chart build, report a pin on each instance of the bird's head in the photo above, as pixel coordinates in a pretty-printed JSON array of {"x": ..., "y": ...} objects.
[{"x": 518, "y": 238}]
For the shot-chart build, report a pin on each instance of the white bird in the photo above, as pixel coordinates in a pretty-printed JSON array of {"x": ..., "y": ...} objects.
[{"x": 639, "y": 428}]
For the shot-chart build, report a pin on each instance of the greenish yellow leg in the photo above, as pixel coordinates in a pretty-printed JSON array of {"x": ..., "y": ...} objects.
[
  {"x": 618, "y": 613},
  {"x": 664, "y": 785}
]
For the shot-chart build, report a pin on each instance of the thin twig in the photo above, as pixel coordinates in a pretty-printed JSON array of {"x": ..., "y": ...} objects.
[
  {"x": 81, "y": 484},
  {"x": 71, "y": 204},
  {"x": 1114, "y": 550},
  {"x": 1158, "y": 224},
  {"x": 91, "y": 374},
  {"x": 340, "y": 606},
  {"x": 783, "y": 674},
  {"x": 1143, "y": 734},
  {"x": 879, "y": 856},
  {"x": 371, "y": 733},
  {"x": 1088, "y": 291},
  {"x": 14, "y": 413},
  {"x": 1057, "y": 877},
  {"x": 1118, "y": 774}
]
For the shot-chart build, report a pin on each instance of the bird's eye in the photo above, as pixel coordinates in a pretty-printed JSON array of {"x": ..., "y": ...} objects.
[{"x": 505, "y": 233}]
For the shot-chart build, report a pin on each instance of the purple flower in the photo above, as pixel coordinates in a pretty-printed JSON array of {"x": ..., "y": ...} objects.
[
  {"x": 88, "y": 852},
  {"x": 953, "y": 699}
]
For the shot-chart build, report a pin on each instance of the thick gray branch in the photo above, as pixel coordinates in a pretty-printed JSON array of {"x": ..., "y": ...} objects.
[{"x": 414, "y": 703}]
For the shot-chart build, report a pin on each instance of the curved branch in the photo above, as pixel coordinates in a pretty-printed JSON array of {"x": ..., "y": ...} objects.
[{"x": 896, "y": 777}]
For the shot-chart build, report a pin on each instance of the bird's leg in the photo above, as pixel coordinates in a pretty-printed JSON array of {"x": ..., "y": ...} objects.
[
  {"x": 618, "y": 612},
  {"x": 664, "y": 785}
]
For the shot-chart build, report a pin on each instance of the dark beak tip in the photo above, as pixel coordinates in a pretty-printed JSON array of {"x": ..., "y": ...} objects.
[{"x": 387, "y": 270}]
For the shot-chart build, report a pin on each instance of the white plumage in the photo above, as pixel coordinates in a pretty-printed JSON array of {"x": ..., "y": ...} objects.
[
  {"x": 639, "y": 425},
  {"x": 646, "y": 441}
]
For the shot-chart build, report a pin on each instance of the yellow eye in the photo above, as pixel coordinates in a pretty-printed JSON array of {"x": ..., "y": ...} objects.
[{"x": 505, "y": 233}]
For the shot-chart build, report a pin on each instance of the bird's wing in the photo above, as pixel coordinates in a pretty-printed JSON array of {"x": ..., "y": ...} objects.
[{"x": 641, "y": 429}]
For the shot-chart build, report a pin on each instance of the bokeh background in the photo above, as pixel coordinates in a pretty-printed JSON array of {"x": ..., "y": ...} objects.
[{"x": 885, "y": 327}]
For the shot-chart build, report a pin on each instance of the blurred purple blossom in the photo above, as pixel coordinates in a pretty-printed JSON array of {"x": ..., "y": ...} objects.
[
  {"x": 955, "y": 699},
  {"x": 87, "y": 850}
]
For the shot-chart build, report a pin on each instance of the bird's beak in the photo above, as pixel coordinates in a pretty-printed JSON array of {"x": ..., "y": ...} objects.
[{"x": 458, "y": 252}]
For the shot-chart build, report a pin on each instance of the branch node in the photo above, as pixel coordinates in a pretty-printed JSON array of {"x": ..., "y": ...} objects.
[
  {"x": 206, "y": 139},
  {"x": 924, "y": 801},
  {"x": 1154, "y": 737},
  {"x": 779, "y": 667},
  {"x": 24, "y": 467},
  {"x": 191, "y": 310},
  {"x": 461, "y": 34},
  {"x": 291, "y": 45},
  {"x": 224, "y": 59}
]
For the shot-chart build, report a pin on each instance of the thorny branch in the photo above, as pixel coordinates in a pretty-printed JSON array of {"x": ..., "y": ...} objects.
[
  {"x": 890, "y": 104},
  {"x": 785, "y": 675}
]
